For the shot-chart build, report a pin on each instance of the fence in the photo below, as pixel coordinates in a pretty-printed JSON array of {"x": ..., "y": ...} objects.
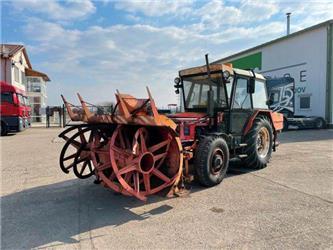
[{"x": 57, "y": 116}]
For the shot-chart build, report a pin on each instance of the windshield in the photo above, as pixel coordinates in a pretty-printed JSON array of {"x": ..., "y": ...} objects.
[
  {"x": 20, "y": 98},
  {"x": 196, "y": 92}
]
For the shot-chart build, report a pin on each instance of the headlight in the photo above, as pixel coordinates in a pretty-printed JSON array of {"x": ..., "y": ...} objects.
[
  {"x": 226, "y": 74},
  {"x": 177, "y": 80}
]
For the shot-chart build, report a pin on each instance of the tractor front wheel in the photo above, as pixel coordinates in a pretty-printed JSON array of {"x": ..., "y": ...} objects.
[
  {"x": 211, "y": 160},
  {"x": 259, "y": 142}
]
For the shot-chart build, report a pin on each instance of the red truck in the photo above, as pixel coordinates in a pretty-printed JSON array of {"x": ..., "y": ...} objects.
[{"x": 15, "y": 112}]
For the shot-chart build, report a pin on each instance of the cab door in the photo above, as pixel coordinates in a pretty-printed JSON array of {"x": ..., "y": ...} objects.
[{"x": 241, "y": 105}]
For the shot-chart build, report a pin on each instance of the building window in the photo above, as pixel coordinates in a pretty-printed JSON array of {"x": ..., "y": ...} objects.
[
  {"x": 35, "y": 84},
  {"x": 304, "y": 102},
  {"x": 36, "y": 99},
  {"x": 16, "y": 74},
  {"x": 24, "y": 81}
]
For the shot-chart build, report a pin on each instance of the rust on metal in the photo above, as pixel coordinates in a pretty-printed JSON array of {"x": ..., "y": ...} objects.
[{"x": 136, "y": 153}]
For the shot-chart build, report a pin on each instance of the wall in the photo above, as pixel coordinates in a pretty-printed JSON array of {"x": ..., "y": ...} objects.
[
  {"x": 16, "y": 59},
  {"x": 5, "y": 70},
  {"x": 303, "y": 57}
]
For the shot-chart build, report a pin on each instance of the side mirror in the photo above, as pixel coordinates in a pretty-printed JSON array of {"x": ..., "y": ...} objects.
[
  {"x": 251, "y": 85},
  {"x": 177, "y": 85}
]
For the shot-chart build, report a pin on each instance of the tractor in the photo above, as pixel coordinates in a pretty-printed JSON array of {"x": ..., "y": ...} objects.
[{"x": 137, "y": 151}]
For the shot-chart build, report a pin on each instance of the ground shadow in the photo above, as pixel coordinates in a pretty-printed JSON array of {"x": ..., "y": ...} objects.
[
  {"x": 57, "y": 212},
  {"x": 305, "y": 135}
]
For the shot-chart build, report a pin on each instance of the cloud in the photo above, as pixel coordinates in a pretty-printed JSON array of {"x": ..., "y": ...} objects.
[
  {"x": 155, "y": 8},
  {"x": 96, "y": 59},
  {"x": 64, "y": 10},
  {"x": 129, "y": 57},
  {"x": 216, "y": 14}
]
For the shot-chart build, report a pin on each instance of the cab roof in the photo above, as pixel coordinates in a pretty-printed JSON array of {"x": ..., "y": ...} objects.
[
  {"x": 218, "y": 67},
  {"x": 6, "y": 87}
]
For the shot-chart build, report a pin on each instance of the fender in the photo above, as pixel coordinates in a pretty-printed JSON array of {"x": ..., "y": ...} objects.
[{"x": 275, "y": 118}]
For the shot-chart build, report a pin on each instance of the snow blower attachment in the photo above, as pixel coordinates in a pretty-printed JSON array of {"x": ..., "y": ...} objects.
[
  {"x": 133, "y": 150},
  {"x": 136, "y": 151}
]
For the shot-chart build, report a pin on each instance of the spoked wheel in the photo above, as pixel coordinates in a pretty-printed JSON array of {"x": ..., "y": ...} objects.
[
  {"x": 83, "y": 167},
  {"x": 144, "y": 160},
  {"x": 100, "y": 155},
  {"x": 78, "y": 142}
]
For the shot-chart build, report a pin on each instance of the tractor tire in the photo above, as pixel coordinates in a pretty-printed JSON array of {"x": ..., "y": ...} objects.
[
  {"x": 211, "y": 160},
  {"x": 259, "y": 142},
  {"x": 4, "y": 129}
]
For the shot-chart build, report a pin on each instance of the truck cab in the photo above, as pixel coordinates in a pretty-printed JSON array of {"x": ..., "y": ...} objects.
[{"x": 15, "y": 111}]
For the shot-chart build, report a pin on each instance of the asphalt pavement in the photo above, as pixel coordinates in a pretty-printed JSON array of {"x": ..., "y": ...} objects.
[{"x": 287, "y": 205}]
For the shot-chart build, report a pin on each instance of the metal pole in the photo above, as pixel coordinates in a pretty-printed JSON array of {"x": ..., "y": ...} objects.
[
  {"x": 47, "y": 116},
  {"x": 60, "y": 117},
  {"x": 288, "y": 23},
  {"x": 63, "y": 116}
]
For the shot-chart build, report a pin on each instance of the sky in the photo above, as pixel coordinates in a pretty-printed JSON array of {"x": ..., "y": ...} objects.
[{"x": 97, "y": 47}]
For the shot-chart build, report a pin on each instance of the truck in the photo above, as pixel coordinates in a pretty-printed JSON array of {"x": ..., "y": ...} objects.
[
  {"x": 281, "y": 91},
  {"x": 15, "y": 112}
]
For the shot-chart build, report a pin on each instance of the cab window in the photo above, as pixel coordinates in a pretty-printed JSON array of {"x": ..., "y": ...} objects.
[
  {"x": 242, "y": 99},
  {"x": 196, "y": 92},
  {"x": 259, "y": 97},
  {"x": 7, "y": 97},
  {"x": 20, "y": 98}
]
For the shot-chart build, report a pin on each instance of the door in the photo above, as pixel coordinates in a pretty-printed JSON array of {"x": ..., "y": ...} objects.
[{"x": 241, "y": 106}]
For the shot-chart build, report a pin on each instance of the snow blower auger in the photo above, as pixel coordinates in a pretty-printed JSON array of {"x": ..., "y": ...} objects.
[{"x": 133, "y": 150}]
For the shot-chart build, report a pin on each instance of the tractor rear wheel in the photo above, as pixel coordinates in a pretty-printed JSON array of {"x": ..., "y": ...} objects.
[
  {"x": 259, "y": 142},
  {"x": 211, "y": 160}
]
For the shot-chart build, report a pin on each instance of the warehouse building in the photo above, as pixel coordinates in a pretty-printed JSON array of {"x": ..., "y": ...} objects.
[{"x": 307, "y": 57}]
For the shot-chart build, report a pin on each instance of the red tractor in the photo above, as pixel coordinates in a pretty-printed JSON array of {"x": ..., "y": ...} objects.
[
  {"x": 136, "y": 151},
  {"x": 226, "y": 116}
]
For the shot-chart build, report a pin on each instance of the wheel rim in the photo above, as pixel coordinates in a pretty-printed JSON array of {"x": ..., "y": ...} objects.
[
  {"x": 78, "y": 142},
  {"x": 263, "y": 142},
  {"x": 217, "y": 161},
  {"x": 319, "y": 123}
]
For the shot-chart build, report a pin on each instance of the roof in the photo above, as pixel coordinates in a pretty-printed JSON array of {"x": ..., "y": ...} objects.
[
  {"x": 31, "y": 72},
  {"x": 9, "y": 50},
  {"x": 214, "y": 68},
  {"x": 319, "y": 25}
]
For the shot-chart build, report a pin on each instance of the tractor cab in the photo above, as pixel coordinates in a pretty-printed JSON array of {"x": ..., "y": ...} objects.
[
  {"x": 222, "y": 88},
  {"x": 227, "y": 96}
]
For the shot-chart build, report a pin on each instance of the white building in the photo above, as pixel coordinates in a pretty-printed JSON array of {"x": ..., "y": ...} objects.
[
  {"x": 307, "y": 56},
  {"x": 16, "y": 69},
  {"x": 14, "y": 61},
  {"x": 36, "y": 92}
]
